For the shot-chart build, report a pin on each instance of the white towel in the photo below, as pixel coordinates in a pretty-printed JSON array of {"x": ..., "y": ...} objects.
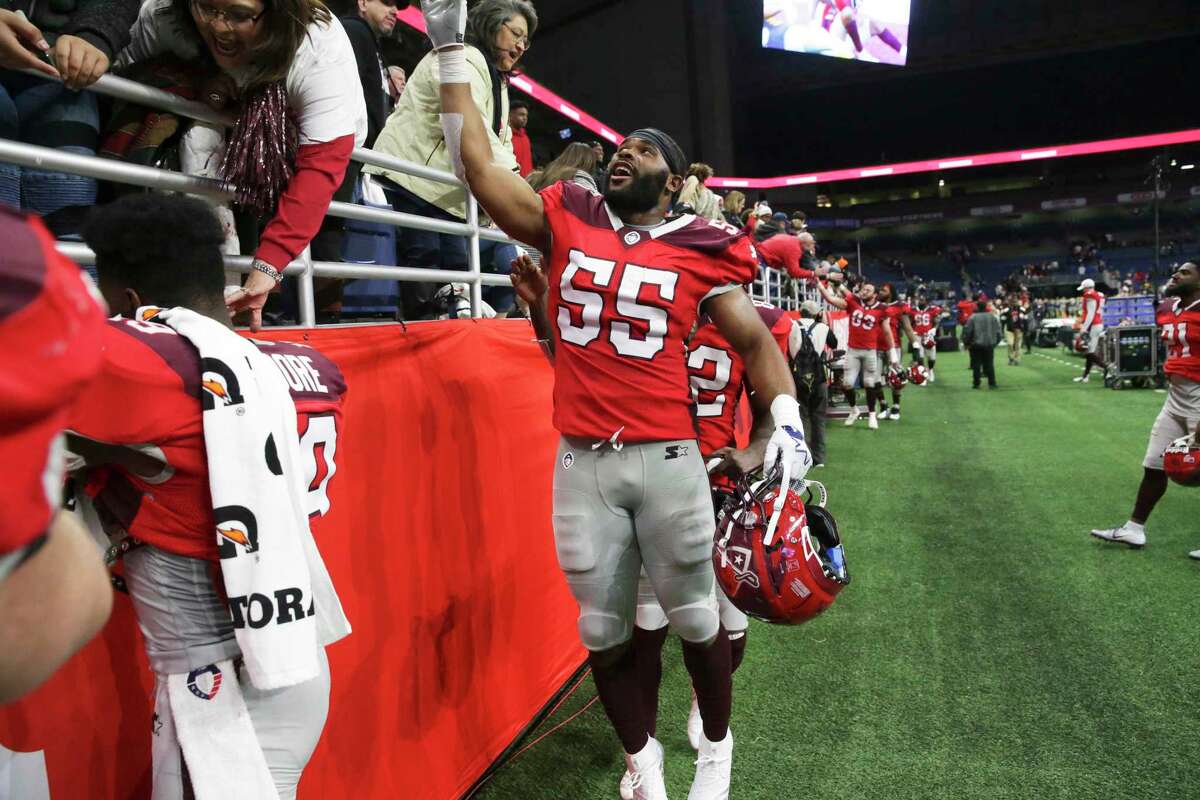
[{"x": 281, "y": 598}]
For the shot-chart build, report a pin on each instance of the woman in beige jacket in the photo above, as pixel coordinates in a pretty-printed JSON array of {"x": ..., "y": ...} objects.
[{"x": 498, "y": 35}]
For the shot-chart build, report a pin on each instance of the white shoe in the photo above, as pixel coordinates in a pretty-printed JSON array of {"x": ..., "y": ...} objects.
[
  {"x": 627, "y": 786},
  {"x": 645, "y": 771},
  {"x": 1081, "y": 378},
  {"x": 713, "y": 768},
  {"x": 1122, "y": 535},
  {"x": 885, "y": 414},
  {"x": 853, "y": 418},
  {"x": 873, "y": 422},
  {"x": 931, "y": 378},
  {"x": 896, "y": 415},
  {"x": 1194, "y": 554},
  {"x": 695, "y": 724}
]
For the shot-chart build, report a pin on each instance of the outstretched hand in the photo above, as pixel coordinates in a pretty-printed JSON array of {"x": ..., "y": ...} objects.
[
  {"x": 528, "y": 279},
  {"x": 251, "y": 297},
  {"x": 20, "y": 42}
]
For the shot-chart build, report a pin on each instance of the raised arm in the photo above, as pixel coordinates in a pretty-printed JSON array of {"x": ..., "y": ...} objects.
[
  {"x": 830, "y": 297},
  {"x": 507, "y": 199}
]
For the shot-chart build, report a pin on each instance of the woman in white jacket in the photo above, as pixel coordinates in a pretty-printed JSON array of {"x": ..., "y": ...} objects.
[{"x": 498, "y": 35}]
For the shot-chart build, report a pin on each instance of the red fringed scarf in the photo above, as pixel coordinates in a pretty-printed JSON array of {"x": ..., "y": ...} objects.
[{"x": 260, "y": 154}]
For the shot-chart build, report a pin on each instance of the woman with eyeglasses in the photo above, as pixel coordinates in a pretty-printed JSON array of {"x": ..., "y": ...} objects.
[
  {"x": 285, "y": 68},
  {"x": 498, "y": 35}
]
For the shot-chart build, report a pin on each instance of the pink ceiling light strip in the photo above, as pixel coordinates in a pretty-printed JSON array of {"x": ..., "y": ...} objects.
[{"x": 412, "y": 17}]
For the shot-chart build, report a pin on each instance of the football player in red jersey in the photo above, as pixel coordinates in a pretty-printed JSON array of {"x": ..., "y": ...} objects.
[
  {"x": 925, "y": 318},
  {"x": 899, "y": 316},
  {"x": 1091, "y": 329},
  {"x": 867, "y": 324},
  {"x": 1178, "y": 322},
  {"x": 54, "y": 592},
  {"x": 139, "y": 428},
  {"x": 630, "y": 489}
]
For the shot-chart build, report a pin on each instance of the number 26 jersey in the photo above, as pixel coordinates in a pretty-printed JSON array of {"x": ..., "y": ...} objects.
[{"x": 622, "y": 302}]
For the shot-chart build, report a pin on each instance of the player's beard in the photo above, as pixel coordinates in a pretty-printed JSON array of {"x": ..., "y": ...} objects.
[{"x": 639, "y": 195}]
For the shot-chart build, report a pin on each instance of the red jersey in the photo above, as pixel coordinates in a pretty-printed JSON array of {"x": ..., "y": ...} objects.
[
  {"x": 925, "y": 319},
  {"x": 148, "y": 395},
  {"x": 785, "y": 253},
  {"x": 865, "y": 323},
  {"x": 965, "y": 309},
  {"x": 718, "y": 376},
  {"x": 894, "y": 312},
  {"x": 1180, "y": 329},
  {"x": 622, "y": 302},
  {"x": 49, "y": 349},
  {"x": 1093, "y": 302}
]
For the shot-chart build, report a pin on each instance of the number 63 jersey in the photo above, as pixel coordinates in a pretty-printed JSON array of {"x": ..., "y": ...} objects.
[
  {"x": 147, "y": 398},
  {"x": 622, "y": 301}
]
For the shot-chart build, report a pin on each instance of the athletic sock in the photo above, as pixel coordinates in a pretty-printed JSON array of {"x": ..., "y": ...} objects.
[
  {"x": 890, "y": 39},
  {"x": 852, "y": 29},
  {"x": 647, "y": 656},
  {"x": 615, "y": 674},
  {"x": 1135, "y": 527},
  {"x": 737, "y": 648},
  {"x": 712, "y": 677}
]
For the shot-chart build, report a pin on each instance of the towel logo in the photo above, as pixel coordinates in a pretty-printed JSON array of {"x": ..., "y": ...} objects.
[
  {"x": 219, "y": 385},
  {"x": 196, "y": 681},
  {"x": 236, "y": 527}
]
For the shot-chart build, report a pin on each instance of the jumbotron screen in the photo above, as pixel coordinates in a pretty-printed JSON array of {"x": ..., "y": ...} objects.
[{"x": 864, "y": 30}]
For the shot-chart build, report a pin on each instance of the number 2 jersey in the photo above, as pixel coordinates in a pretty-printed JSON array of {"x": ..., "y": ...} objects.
[
  {"x": 147, "y": 397},
  {"x": 622, "y": 301},
  {"x": 718, "y": 377},
  {"x": 1180, "y": 330}
]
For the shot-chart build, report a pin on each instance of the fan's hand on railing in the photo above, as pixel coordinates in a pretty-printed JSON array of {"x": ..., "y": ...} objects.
[
  {"x": 252, "y": 297},
  {"x": 20, "y": 43},
  {"x": 79, "y": 62},
  {"x": 528, "y": 279},
  {"x": 445, "y": 21}
]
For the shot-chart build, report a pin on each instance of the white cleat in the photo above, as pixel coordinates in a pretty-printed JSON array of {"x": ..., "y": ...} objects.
[
  {"x": 885, "y": 414},
  {"x": 645, "y": 770},
  {"x": 1194, "y": 554},
  {"x": 853, "y": 418},
  {"x": 873, "y": 422},
  {"x": 713, "y": 768},
  {"x": 931, "y": 377},
  {"x": 896, "y": 415},
  {"x": 1122, "y": 535},
  {"x": 627, "y": 786},
  {"x": 1081, "y": 378},
  {"x": 695, "y": 725}
]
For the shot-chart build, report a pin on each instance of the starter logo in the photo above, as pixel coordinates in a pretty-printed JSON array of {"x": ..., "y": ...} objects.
[
  {"x": 675, "y": 451},
  {"x": 198, "y": 679}
]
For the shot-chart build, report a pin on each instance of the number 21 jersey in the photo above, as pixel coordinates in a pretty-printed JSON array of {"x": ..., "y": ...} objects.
[{"x": 622, "y": 301}]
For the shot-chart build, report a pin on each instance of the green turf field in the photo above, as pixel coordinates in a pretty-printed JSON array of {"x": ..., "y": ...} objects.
[{"x": 987, "y": 646}]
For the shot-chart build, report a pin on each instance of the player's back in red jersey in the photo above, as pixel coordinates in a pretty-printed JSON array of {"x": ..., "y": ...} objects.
[
  {"x": 1093, "y": 302},
  {"x": 49, "y": 350},
  {"x": 965, "y": 309},
  {"x": 1179, "y": 327},
  {"x": 925, "y": 319},
  {"x": 865, "y": 323},
  {"x": 718, "y": 377},
  {"x": 147, "y": 396},
  {"x": 894, "y": 311},
  {"x": 621, "y": 303}
]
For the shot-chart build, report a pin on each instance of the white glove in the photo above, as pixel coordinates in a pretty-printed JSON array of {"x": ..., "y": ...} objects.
[
  {"x": 787, "y": 448},
  {"x": 894, "y": 356},
  {"x": 445, "y": 21}
]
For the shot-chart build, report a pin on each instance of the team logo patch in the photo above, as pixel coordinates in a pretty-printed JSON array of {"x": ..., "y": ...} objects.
[
  {"x": 739, "y": 559},
  {"x": 675, "y": 451},
  {"x": 236, "y": 527},
  {"x": 633, "y": 237},
  {"x": 219, "y": 386},
  {"x": 568, "y": 460},
  {"x": 197, "y": 682}
]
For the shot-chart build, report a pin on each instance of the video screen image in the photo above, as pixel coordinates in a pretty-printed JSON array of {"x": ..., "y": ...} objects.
[{"x": 863, "y": 30}]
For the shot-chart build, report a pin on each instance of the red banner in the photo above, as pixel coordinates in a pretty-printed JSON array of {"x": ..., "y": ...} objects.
[{"x": 440, "y": 546}]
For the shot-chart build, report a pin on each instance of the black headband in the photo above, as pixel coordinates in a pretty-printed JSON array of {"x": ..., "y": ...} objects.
[{"x": 672, "y": 153}]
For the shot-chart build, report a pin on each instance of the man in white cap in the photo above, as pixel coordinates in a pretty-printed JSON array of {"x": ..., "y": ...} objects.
[{"x": 1091, "y": 329}]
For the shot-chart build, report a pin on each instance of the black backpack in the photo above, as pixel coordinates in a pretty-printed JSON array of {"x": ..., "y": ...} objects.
[{"x": 808, "y": 367}]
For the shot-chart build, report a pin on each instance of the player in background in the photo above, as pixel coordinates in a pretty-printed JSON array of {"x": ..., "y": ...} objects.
[
  {"x": 138, "y": 427},
  {"x": 1015, "y": 319},
  {"x": 867, "y": 324},
  {"x": 1178, "y": 321},
  {"x": 899, "y": 316},
  {"x": 54, "y": 590},
  {"x": 847, "y": 17},
  {"x": 623, "y": 290},
  {"x": 925, "y": 319},
  {"x": 1091, "y": 329}
]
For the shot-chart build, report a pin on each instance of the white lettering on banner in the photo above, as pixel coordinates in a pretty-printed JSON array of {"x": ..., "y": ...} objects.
[
  {"x": 1068, "y": 202},
  {"x": 1140, "y": 197},
  {"x": 723, "y": 367},
  {"x": 628, "y": 293}
]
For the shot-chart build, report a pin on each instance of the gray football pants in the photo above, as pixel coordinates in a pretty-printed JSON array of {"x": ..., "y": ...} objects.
[{"x": 615, "y": 512}]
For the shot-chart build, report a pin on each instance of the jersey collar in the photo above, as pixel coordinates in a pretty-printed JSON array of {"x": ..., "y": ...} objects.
[{"x": 631, "y": 236}]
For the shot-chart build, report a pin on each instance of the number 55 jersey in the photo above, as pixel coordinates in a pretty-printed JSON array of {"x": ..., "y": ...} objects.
[
  {"x": 622, "y": 302},
  {"x": 147, "y": 397}
]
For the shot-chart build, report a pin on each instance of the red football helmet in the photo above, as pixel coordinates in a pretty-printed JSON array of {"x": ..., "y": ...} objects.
[
  {"x": 777, "y": 558},
  {"x": 1079, "y": 344},
  {"x": 896, "y": 377},
  {"x": 1181, "y": 460},
  {"x": 930, "y": 341},
  {"x": 917, "y": 374}
]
